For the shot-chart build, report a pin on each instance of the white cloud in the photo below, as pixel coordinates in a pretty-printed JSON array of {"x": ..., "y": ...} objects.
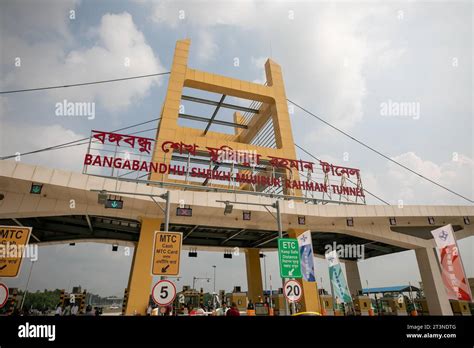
[
  {"x": 323, "y": 55},
  {"x": 195, "y": 13},
  {"x": 38, "y": 20},
  {"x": 259, "y": 63},
  {"x": 206, "y": 46},
  {"x": 120, "y": 51},
  {"x": 402, "y": 185},
  {"x": 33, "y": 137}
]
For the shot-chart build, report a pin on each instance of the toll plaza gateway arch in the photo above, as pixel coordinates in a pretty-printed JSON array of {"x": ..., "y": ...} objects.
[
  {"x": 53, "y": 220},
  {"x": 252, "y": 166}
]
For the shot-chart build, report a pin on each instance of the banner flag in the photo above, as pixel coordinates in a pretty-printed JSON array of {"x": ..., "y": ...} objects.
[
  {"x": 452, "y": 270},
  {"x": 305, "y": 244},
  {"x": 336, "y": 277}
]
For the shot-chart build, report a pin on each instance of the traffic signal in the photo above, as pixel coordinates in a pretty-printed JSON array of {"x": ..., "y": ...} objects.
[{"x": 114, "y": 203}]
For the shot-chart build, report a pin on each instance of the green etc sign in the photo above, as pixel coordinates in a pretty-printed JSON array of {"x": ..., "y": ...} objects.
[{"x": 289, "y": 256}]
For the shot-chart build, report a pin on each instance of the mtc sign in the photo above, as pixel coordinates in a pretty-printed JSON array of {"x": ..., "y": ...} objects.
[
  {"x": 13, "y": 242},
  {"x": 167, "y": 252},
  {"x": 289, "y": 256}
]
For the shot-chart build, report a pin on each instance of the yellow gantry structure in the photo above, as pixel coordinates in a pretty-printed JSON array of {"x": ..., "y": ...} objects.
[{"x": 274, "y": 106}]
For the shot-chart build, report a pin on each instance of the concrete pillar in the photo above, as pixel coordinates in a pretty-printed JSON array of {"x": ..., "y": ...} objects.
[
  {"x": 436, "y": 297},
  {"x": 139, "y": 283},
  {"x": 310, "y": 301},
  {"x": 254, "y": 275},
  {"x": 353, "y": 277}
]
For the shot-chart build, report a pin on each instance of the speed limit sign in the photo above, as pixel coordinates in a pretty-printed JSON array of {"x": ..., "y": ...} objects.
[
  {"x": 3, "y": 294},
  {"x": 163, "y": 293},
  {"x": 293, "y": 290}
]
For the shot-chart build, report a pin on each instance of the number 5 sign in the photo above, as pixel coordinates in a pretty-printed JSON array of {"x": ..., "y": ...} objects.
[
  {"x": 293, "y": 291},
  {"x": 163, "y": 293}
]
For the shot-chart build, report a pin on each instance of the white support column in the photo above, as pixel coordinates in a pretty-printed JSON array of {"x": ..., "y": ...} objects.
[
  {"x": 353, "y": 277},
  {"x": 436, "y": 297}
]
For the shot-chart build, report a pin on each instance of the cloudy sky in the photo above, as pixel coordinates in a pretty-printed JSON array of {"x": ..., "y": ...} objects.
[{"x": 341, "y": 60}]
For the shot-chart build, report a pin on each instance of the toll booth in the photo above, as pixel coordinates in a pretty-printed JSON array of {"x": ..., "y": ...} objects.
[
  {"x": 393, "y": 306},
  {"x": 460, "y": 307},
  {"x": 189, "y": 297},
  {"x": 77, "y": 298},
  {"x": 279, "y": 303},
  {"x": 422, "y": 306},
  {"x": 362, "y": 305},
  {"x": 339, "y": 310},
  {"x": 262, "y": 309},
  {"x": 239, "y": 298},
  {"x": 327, "y": 304}
]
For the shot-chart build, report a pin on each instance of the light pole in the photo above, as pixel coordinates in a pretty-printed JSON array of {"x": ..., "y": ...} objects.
[
  {"x": 214, "y": 266},
  {"x": 280, "y": 235},
  {"x": 27, "y": 283},
  {"x": 214, "y": 293},
  {"x": 264, "y": 271}
]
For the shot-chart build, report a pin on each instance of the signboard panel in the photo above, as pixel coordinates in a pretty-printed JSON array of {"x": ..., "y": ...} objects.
[
  {"x": 164, "y": 292},
  {"x": 337, "y": 279},
  {"x": 13, "y": 241},
  {"x": 306, "y": 255},
  {"x": 293, "y": 290},
  {"x": 167, "y": 252},
  {"x": 289, "y": 256},
  {"x": 452, "y": 269},
  {"x": 3, "y": 294},
  {"x": 139, "y": 162}
]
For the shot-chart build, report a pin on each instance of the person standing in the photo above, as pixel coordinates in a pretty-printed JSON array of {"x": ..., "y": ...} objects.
[
  {"x": 89, "y": 312},
  {"x": 67, "y": 310},
  {"x": 222, "y": 310},
  {"x": 59, "y": 310},
  {"x": 74, "y": 309},
  {"x": 233, "y": 311}
]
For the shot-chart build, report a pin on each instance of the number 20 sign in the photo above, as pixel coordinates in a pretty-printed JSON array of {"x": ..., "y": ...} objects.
[
  {"x": 164, "y": 293},
  {"x": 293, "y": 290}
]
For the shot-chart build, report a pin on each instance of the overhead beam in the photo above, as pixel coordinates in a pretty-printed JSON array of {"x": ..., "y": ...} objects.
[
  {"x": 373, "y": 246},
  {"x": 220, "y": 122},
  {"x": 89, "y": 223},
  {"x": 192, "y": 230},
  {"x": 266, "y": 240},
  {"x": 224, "y": 105},
  {"x": 214, "y": 114},
  {"x": 232, "y": 236},
  {"x": 21, "y": 225},
  {"x": 17, "y": 222}
]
